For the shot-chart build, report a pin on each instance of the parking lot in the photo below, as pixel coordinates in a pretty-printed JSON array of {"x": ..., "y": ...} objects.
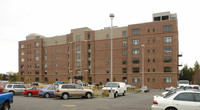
[{"x": 132, "y": 101}]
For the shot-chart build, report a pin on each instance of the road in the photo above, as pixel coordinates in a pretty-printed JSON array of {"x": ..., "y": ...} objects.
[{"x": 132, "y": 101}]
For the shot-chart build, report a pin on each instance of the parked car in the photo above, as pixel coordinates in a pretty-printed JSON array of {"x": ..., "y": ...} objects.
[
  {"x": 119, "y": 88},
  {"x": 32, "y": 91},
  {"x": 15, "y": 88},
  {"x": 170, "y": 88},
  {"x": 145, "y": 89},
  {"x": 191, "y": 87},
  {"x": 130, "y": 86},
  {"x": 5, "y": 100},
  {"x": 64, "y": 91},
  {"x": 47, "y": 92},
  {"x": 178, "y": 100}
]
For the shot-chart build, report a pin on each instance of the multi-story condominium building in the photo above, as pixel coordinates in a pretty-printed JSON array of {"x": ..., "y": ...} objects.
[{"x": 84, "y": 54}]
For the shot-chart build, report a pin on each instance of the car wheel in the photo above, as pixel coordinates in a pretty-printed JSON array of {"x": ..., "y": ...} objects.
[
  {"x": 6, "y": 106},
  {"x": 88, "y": 95},
  {"x": 65, "y": 96},
  {"x": 116, "y": 95},
  {"x": 47, "y": 95},
  {"x": 29, "y": 94},
  {"x": 171, "y": 108},
  {"x": 124, "y": 93},
  {"x": 12, "y": 92}
]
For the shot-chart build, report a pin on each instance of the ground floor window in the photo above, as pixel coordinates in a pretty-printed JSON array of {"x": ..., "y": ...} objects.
[
  {"x": 167, "y": 79},
  {"x": 136, "y": 79}
]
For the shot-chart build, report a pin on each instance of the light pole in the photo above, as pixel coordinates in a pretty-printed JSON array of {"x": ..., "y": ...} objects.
[
  {"x": 111, "y": 95},
  {"x": 142, "y": 65}
]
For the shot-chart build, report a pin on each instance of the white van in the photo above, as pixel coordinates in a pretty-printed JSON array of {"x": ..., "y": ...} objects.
[{"x": 119, "y": 88}]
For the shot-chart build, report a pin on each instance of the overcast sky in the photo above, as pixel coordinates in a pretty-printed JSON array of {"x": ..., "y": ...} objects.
[{"x": 18, "y": 18}]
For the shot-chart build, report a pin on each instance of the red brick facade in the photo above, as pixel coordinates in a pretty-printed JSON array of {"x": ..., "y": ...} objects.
[{"x": 58, "y": 62}]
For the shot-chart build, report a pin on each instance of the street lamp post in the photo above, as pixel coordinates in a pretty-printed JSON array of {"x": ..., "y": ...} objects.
[
  {"x": 111, "y": 95},
  {"x": 142, "y": 65}
]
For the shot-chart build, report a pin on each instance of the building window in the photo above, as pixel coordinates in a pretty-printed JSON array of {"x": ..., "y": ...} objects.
[
  {"x": 68, "y": 39},
  {"x": 89, "y": 54},
  {"x": 37, "y": 65},
  {"x": 124, "y": 52},
  {"x": 153, "y": 50},
  {"x": 136, "y": 80},
  {"x": 107, "y": 71},
  {"x": 37, "y": 44},
  {"x": 78, "y": 55},
  {"x": 148, "y": 30},
  {"x": 136, "y": 70},
  {"x": 107, "y": 54},
  {"x": 37, "y": 58},
  {"x": 107, "y": 62},
  {"x": 107, "y": 35},
  {"x": 167, "y": 49},
  {"x": 22, "y": 72},
  {"x": 107, "y": 45},
  {"x": 124, "y": 70},
  {"x": 124, "y": 33},
  {"x": 154, "y": 70},
  {"x": 167, "y": 59},
  {"x": 56, "y": 57},
  {"x": 148, "y": 70},
  {"x": 45, "y": 79},
  {"x": 153, "y": 29},
  {"x": 78, "y": 38},
  {"x": 22, "y": 59},
  {"x": 136, "y": 31},
  {"x": 124, "y": 61},
  {"x": 78, "y": 63},
  {"x": 154, "y": 40},
  {"x": 56, "y": 50},
  {"x": 89, "y": 63},
  {"x": 36, "y": 51},
  {"x": 124, "y": 43},
  {"x": 124, "y": 79},
  {"x": 56, "y": 65},
  {"x": 45, "y": 51},
  {"x": 22, "y": 53},
  {"x": 45, "y": 43},
  {"x": 107, "y": 79},
  {"x": 153, "y": 60},
  {"x": 148, "y": 51},
  {"x": 89, "y": 46},
  {"x": 167, "y": 69},
  {"x": 45, "y": 57},
  {"x": 153, "y": 79},
  {"x": 148, "y": 60},
  {"x": 89, "y": 37},
  {"x": 36, "y": 72},
  {"x": 37, "y": 79},
  {"x": 45, "y": 72},
  {"x": 167, "y": 28},
  {"x": 45, "y": 65},
  {"x": 136, "y": 41},
  {"x": 22, "y": 46},
  {"x": 136, "y": 60},
  {"x": 136, "y": 51},
  {"x": 167, "y": 39},
  {"x": 22, "y": 66},
  {"x": 167, "y": 79}
]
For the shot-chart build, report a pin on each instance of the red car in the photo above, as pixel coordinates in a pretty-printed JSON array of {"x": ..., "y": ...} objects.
[
  {"x": 1, "y": 90},
  {"x": 32, "y": 91}
]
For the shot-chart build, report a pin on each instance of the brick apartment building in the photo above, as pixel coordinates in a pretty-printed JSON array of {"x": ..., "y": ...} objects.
[{"x": 84, "y": 54}]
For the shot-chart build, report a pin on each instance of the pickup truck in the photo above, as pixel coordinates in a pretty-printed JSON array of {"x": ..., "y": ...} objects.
[{"x": 5, "y": 100}]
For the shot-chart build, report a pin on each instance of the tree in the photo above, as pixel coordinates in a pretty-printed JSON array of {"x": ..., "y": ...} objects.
[
  {"x": 1, "y": 77},
  {"x": 13, "y": 77},
  {"x": 186, "y": 73},
  {"x": 27, "y": 80},
  {"x": 196, "y": 76}
]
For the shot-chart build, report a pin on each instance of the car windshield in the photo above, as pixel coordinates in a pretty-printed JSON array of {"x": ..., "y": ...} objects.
[
  {"x": 170, "y": 93},
  {"x": 109, "y": 85}
]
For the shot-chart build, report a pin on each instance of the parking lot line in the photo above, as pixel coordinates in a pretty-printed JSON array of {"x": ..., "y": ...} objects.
[{"x": 69, "y": 105}]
